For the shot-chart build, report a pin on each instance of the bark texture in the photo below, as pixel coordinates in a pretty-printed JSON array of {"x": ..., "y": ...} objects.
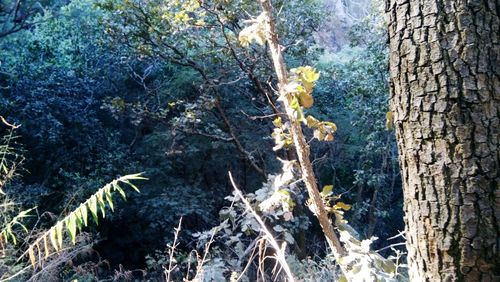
[{"x": 445, "y": 92}]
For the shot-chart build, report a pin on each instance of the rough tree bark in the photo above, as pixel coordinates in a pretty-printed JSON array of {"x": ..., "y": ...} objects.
[{"x": 444, "y": 80}]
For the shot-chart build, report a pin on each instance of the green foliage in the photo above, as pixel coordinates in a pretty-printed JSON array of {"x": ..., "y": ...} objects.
[
  {"x": 11, "y": 217},
  {"x": 55, "y": 74},
  {"x": 103, "y": 87},
  {"x": 365, "y": 152},
  {"x": 7, "y": 231}
]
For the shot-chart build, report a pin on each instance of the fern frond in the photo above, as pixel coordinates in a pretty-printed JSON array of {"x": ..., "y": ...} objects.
[
  {"x": 7, "y": 232},
  {"x": 74, "y": 222}
]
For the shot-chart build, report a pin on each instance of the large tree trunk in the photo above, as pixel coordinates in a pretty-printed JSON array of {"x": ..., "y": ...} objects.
[{"x": 444, "y": 68}]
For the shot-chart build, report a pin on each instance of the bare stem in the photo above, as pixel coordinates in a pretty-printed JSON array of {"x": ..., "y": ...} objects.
[
  {"x": 280, "y": 255},
  {"x": 171, "y": 251},
  {"x": 299, "y": 140}
]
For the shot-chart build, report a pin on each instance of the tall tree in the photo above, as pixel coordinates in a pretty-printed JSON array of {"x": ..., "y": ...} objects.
[{"x": 444, "y": 80}]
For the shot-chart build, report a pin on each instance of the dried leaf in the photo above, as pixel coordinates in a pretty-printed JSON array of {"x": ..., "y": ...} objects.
[
  {"x": 31, "y": 254},
  {"x": 342, "y": 205},
  {"x": 389, "y": 121}
]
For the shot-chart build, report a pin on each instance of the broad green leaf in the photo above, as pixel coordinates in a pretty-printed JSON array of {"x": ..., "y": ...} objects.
[{"x": 330, "y": 125}]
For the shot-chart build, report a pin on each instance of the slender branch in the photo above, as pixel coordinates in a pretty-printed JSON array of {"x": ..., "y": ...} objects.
[
  {"x": 172, "y": 248},
  {"x": 261, "y": 117},
  {"x": 243, "y": 67},
  {"x": 4, "y": 121},
  {"x": 391, "y": 246},
  {"x": 183, "y": 60},
  {"x": 216, "y": 137},
  {"x": 299, "y": 140},
  {"x": 236, "y": 141}
]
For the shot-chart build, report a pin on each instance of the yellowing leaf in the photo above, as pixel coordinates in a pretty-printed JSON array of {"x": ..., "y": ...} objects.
[
  {"x": 343, "y": 206},
  {"x": 327, "y": 189},
  {"x": 312, "y": 122},
  {"x": 255, "y": 32},
  {"x": 59, "y": 233},
  {"x": 306, "y": 100},
  {"x": 329, "y": 137},
  {"x": 343, "y": 279},
  {"x": 250, "y": 34},
  {"x": 31, "y": 254},
  {"x": 318, "y": 134},
  {"x": 307, "y": 73},
  {"x": 310, "y": 74},
  {"x": 332, "y": 127},
  {"x": 53, "y": 238},
  {"x": 389, "y": 121},
  {"x": 46, "y": 247},
  {"x": 277, "y": 122}
]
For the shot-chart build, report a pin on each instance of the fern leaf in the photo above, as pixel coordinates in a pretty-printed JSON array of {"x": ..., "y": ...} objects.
[
  {"x": 59, "y": 234},
  {"x": 83, "y": 213},
  {"x": 31, "y": 254},
  {"x": 53, "y": 238},
  {"x": 46, "y": 247},
  {"x": 75, "y": 220}
]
